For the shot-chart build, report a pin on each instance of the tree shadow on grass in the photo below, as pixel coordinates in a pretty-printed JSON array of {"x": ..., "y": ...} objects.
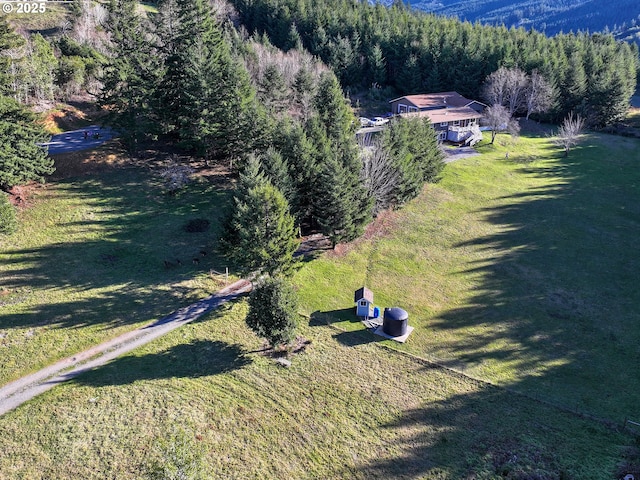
[
  {"x": 555, "y": 288},
  {"x": 357, "y": 337},
  {"x": 492, "y": 433},
  {"x": 349, "y": 338},
  {"x": 196, "y": 359},
  {"x": 319, "y": 318},
  {"x": 551, "y": 312},
  {"x": 118, "y": 235}
]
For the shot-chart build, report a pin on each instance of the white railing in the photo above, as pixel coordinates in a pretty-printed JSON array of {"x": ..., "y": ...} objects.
[{"x": 468, "y": 128}]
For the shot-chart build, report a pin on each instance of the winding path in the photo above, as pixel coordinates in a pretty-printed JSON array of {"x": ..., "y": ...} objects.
[{"x": 16, "y": 393}]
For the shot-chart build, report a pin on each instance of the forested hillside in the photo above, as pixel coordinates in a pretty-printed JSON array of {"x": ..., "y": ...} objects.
[
  {"x": 371, "y": 44},
  {"x": 187, "y": 76},
  {"x": 548, "y": 16}
]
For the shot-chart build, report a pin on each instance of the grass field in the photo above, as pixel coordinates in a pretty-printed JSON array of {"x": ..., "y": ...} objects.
[
  {"x": 88, "y": 262},
  {"x": 205, "y": 400},
  {"x": 519, "y": 272}
]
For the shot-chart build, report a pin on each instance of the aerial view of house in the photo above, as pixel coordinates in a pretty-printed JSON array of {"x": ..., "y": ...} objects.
[{"x": 454, "y": 117}]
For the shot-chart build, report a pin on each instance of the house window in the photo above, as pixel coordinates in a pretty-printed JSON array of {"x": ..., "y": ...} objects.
[
  {"x": 363, "y": 303},
  {"x": 456, "y": 123},
  {"x": 444, "y": 124},
  {"x": 402, "y": 108},
  {"x": 413, "y": 109},
  {"x": 442, "y": 135}
]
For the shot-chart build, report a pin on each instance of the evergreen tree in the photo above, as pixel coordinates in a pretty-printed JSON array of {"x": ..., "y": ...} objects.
[
  {"x": 574, "y": 86},
  {"x": 415, "y": 154},
  {"x": 273, "y": 89},
  {"x": 332, "y": 132},
  {"x": 21, "y": 159},
  {"x": 130, "y": 75},
  {"x": 335, "y": 209},
  {"x": 209, "y": 101},
  {"x": 9, "y": 41},
  {"x": 333, "y": 110},
  {"x": 303, "y": 90},
  {"x": 294, "y": 41},
  {"x": 410, "y": 77},
  {"x": 377, "y": 66},
  {"x": 273, "y": 311},
  {"x": 298, "y": 153},
  {"x": 277, "y": 171},
  {"x": 260, "y": 235},
  {"x": 396, "y": 140}
]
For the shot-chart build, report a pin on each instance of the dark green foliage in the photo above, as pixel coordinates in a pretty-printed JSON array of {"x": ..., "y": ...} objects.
[
  {"x": 336, "y": 212},
  {"x": 130, "y": 75},
  {"x": 414, "y": 151},
  {"x": 204, "y": 99},
  {"x": 333, "y": 110},
  {"x": 273, "y": 91},
  {"x": 197, "y": 225},
  {"x": 377, "y": 66},
  {"x": 8, "y": 40},
  {"x": 260, "y": 235},
  {"x": 77, "y": 65},
  {"x": 21, "y": 160},
  {"x": 298, "y": 153},
  {"x": 273, "y": 311},
  {"x": 70, "y": 48},
  {"x": 342, "y": 207},
  {"x": 8, "y": 222},
  {"x": 427, "y": 53},
  {"x": 277, "y": 171}
]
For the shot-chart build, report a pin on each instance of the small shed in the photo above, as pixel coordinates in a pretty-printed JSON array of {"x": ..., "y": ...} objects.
[{"x": 363, "y": 299}]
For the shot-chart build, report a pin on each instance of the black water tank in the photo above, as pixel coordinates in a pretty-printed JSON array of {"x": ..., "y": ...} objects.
[{"x": 395, "y": 322}]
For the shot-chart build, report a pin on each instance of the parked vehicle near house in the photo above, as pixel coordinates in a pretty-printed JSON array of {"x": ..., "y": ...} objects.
[{"x": 377, "y": 121}]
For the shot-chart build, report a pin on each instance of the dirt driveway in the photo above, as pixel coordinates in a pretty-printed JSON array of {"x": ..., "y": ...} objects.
[{"x": 16, "y": 393}]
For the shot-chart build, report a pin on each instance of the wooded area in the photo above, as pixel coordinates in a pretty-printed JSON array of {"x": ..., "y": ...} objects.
[{"x": 414, "y": 52}]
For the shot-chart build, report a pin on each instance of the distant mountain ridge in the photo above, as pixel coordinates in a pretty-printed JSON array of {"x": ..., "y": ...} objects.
[{"x": 549, "y": 16}]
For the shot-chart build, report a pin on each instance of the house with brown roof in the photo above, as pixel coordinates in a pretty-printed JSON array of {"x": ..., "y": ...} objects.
[{"x": 454, "y": 117}]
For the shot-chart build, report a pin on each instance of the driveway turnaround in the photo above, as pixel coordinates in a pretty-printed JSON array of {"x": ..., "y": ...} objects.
[
  {"x": 16, "y": 393},
  {"x": 75, "y": 140}
]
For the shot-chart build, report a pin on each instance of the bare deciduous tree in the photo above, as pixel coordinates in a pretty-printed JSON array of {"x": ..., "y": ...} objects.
[
  {"x": 539, "y": 94},
  {"x": 570, "y": 132},
  {"x": 289, "y": 64},
  {"x": 379, "y": 176},
  {"x": 497, "y": 118},
  {"x": 506, "y": 87}
]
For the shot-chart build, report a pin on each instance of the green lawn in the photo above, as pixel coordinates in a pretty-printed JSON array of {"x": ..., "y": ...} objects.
[
  {"x": 520, "y": 272},
  {"x": 205, "y": 398},
  {"x": 88, "y": 263}
]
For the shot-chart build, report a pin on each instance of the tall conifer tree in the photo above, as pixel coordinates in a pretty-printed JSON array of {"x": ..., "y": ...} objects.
[{"x": 130, "y": 76}]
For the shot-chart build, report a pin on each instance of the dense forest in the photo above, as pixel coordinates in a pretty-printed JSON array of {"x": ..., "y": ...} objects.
[
  {"x": 412, "y": 52},
  {"x": 187, "y": 76},
  {"x": 260, "y": 82},
  {"x": 548, "y": 16}
]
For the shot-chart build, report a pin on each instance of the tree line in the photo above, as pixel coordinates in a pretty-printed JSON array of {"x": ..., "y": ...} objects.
[
  {"x": 414, "y": 52},
  {"x": 188, "y": 76}
]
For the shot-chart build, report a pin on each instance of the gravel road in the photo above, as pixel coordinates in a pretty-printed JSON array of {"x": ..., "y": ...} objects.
[{"x": 16, "y": 393}]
